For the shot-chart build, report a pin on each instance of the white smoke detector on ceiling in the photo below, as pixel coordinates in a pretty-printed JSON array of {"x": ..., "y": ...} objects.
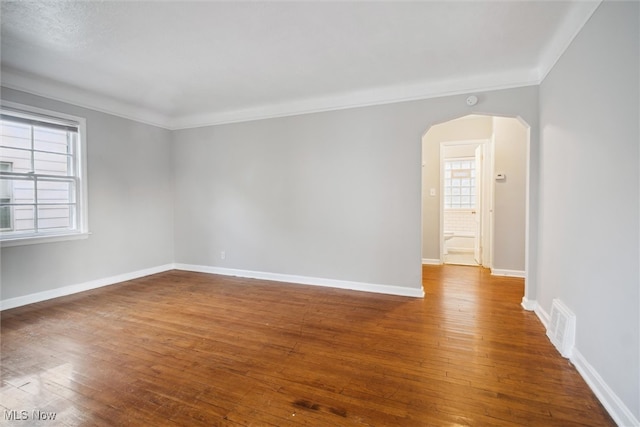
[{"x": 472, "y": 100}]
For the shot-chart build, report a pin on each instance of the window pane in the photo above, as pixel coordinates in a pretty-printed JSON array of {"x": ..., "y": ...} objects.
[
  {"x": 54, "y": 217},
  {"x": 5, "y": 189},
  {"x": 51, "y": 164},
  {"x": 15, "y": 134},
  {"x": 55, "y": 192},
  {"x": 24, "y": 218},
  {"x": 5, "y": 218},
  {"x": 23, "y": 191},
  {"x": 20, "y": 160},
  {"x": 460, "y": 183},
  {"x": 54, "y": 140}
]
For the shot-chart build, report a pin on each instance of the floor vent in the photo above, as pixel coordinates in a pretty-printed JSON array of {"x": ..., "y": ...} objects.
[{"x": 562, "y": 328}]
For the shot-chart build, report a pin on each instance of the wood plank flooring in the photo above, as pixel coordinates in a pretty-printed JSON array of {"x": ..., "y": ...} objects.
[{"x": 191, "y": 349}]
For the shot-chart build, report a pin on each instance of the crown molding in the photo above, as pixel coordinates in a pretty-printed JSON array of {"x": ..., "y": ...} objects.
[
  {"x": 363, "y": 98},
  {"x": 572, "y": 25},
  {"x": 35, "y": 85},
  {"x": 57, "y": 91}
]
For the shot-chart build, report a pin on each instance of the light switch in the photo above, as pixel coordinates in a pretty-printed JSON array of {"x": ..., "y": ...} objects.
[{"x": 432, "y": 192}]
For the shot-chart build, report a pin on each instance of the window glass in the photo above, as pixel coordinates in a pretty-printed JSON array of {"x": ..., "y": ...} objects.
[
  {"x": 41, "y": 175},
  {"x": 459, "y": 183}
]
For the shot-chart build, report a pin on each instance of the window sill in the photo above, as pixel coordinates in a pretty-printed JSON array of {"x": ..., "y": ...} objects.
[{"x": 37, "y": 240}]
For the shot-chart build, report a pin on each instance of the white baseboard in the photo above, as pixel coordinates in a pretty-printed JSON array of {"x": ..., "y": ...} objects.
[
  {"x": 612, "y": 403},
  {"x": 430, "y": 261},
  {"x": 304, "y": 280},
  {"x": 510, "y": 273},
  {"x": 542, "y": 315},
  {"x": 529, "y": 305},
  {"x": 80, "y": 287}
]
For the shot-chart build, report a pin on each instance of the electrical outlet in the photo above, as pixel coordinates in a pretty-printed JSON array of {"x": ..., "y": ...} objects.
[{"x": 223, "y": 255}]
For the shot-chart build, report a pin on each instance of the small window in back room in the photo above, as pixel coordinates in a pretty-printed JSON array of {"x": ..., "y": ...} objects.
[
  {"x": 460, "y": 183},
  {"x": 42, "y": 175}
]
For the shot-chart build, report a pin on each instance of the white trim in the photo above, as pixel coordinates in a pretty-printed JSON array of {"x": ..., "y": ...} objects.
[
  {"x": 41, "y": 239},
  {"x": 57, "y": 91},
  {"x": 578, "y": 16},
  {"x": 305, "y": 280},
  {"x": 612, "y": 403},
  {"x": 30, "y": 83},
  {"x": 80, "y": 287},
  {"x": 510, "y": 273},
  {"x": 529, "y": 305},
  {"x": 542, "y": 315},
  {"x": 363, "y": 98},
  {"x": 431, "y": 261}
]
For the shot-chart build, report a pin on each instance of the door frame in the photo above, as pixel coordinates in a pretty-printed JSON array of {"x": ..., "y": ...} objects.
[{"x": 487, "y": 197}]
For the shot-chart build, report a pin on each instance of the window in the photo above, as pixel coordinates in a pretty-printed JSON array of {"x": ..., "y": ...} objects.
[
  {"x": 460, "y": 184},
  {"x": 42, "y": 176},
  {"x": 5, "y": 199}
]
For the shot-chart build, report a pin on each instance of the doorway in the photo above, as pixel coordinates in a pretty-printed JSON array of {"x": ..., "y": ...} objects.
[
  {"x": 489, "y": 214},
  {"x": 461, "y": 203}
]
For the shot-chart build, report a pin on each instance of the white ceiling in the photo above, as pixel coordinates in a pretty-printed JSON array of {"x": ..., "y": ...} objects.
[{"x": 181, "y": 64}]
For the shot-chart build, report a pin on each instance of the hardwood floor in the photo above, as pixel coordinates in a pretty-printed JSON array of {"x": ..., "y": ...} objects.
[{"x": 193, "y": 349}]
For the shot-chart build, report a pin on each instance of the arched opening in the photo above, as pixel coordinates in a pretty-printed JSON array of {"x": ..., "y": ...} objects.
[{"x": 475, "y": 193}]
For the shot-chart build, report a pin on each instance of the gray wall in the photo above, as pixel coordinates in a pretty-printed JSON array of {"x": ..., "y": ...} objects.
[
  {"x": 589, "y": 231},
  {"x": 130, "y": 208},
  {"x": 510, "y": 158},
  {"x": 335, "y": 195}
]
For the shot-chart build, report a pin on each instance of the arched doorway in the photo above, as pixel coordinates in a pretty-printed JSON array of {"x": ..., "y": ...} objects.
[{"x": 488, "y": 221}]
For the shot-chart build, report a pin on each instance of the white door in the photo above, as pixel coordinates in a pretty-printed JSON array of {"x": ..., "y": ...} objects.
[{"x": 477, "y": 241}]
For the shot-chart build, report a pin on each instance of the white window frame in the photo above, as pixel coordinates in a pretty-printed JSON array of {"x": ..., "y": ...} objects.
[{"x": 82, "y": 224}]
